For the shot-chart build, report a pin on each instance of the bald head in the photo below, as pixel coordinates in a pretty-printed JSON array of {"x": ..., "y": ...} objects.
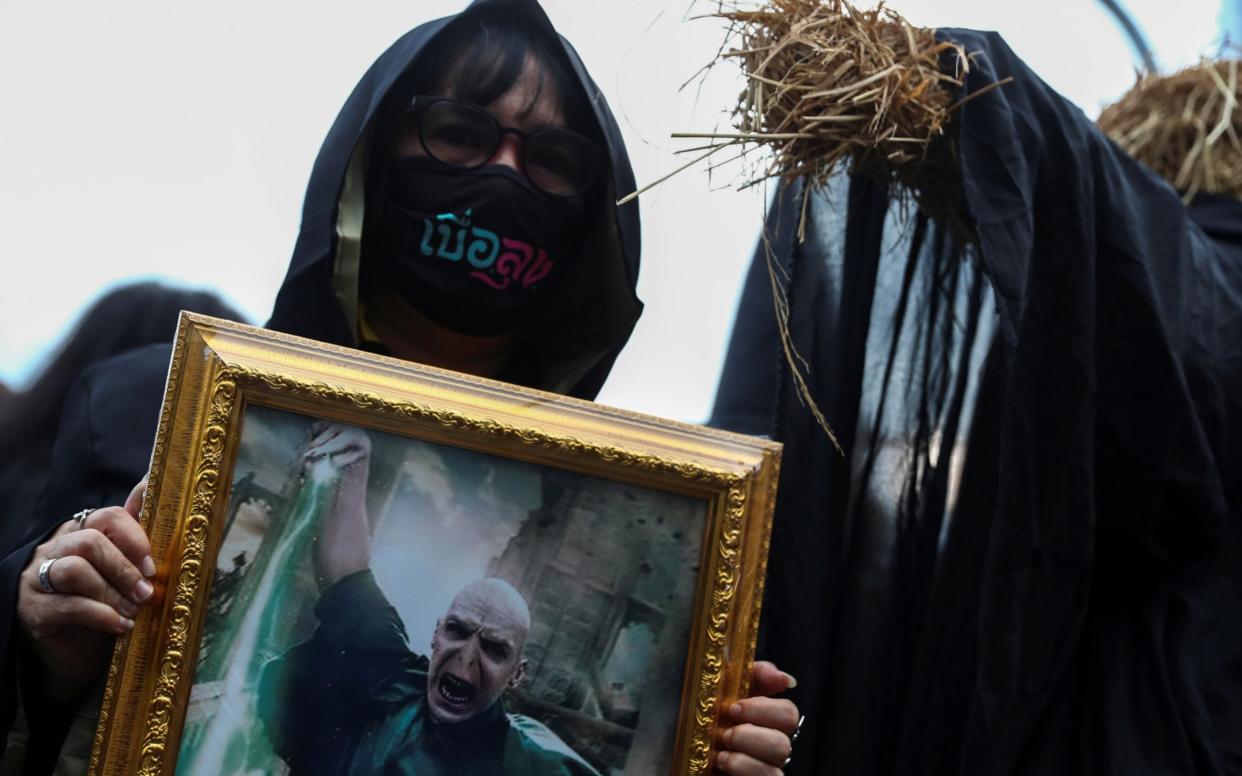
[
  {"x": 476, "y": 652},
  {"x": 496, "y": 604}
]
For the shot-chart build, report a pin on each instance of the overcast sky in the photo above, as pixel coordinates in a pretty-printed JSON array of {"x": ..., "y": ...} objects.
[{"x": 144, "y": 139}]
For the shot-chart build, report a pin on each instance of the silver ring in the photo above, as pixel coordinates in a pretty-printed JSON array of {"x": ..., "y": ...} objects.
[
  {"x": 797, "y": 731},
  {"x": 80, "y": 516},
  {"x": 45, "y": 576}
]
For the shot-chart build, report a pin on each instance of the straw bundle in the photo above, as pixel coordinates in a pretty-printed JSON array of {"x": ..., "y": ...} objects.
[
  {"x": 830, "y": 84},
  {"x": 1185, "y": 126}
]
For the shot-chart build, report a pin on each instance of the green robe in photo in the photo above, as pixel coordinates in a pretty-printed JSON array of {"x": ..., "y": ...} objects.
[{"x": 353, "y": 701}]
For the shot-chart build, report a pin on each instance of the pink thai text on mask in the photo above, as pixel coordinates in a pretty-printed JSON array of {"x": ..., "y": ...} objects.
[{"x": 497, "y": 261}]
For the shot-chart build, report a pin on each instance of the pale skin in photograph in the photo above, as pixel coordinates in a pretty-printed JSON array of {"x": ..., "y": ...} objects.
[
  {"x": 102, "y": 570},
  {"x": 477, "y": 650}
]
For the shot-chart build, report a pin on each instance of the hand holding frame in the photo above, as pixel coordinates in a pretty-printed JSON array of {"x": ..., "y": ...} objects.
[{"x": 81, "y": 587}]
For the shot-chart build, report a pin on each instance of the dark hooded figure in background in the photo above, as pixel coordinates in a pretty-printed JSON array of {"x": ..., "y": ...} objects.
[
  {"x": 121, "y": 319},
  {"x": 1028, "y": 559},
  {"x": 461, "y": 214}
]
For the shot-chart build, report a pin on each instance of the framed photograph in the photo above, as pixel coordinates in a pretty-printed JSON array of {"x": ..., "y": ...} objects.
[{"x": 369, "y": 566}]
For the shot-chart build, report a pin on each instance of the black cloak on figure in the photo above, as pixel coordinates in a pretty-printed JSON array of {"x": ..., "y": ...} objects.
[
  {"x": 109, "y": 420},
  {"x": 1029, "y": 558}
]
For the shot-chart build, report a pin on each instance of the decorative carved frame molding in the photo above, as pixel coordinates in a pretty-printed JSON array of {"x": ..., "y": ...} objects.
[{"x": 218, "y": 368}]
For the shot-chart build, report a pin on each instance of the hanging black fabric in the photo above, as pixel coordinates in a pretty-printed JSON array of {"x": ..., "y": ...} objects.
[{"x": 1029, "y": 558}]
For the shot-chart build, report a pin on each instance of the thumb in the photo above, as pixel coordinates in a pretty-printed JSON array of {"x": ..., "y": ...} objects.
[
  {"x": 133, "y": 504},
  {"x": 766, "y": 680}
]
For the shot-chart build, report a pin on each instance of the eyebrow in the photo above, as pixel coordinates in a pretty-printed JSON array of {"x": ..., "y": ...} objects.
[
  {"x": 474, "y": 627},
  {"x": 529, "y": 117},
  {"x": 454, "y": 619},
  {"x": 495, "y": 642}
]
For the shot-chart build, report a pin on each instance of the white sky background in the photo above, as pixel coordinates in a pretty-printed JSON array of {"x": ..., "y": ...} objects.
[{"x": 144, "y": 139}]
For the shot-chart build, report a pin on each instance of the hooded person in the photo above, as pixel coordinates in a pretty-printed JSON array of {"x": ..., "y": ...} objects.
[
  {"x": 1027, "y": 556},
  {"x": 120, "y": 320},
  {"x": 485, "y": 125}
]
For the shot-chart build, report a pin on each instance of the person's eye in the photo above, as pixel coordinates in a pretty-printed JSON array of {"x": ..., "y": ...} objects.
[
  {"x": 495, "y": 650},
  {"x": 459, "y": 135},
  {"x": 551, "y": 160},
  {"x": 455, "y": 631}
]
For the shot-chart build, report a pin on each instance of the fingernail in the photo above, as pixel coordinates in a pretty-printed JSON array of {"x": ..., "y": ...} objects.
[
  {"x": 727, "y": 738},
  {"x": 127, "y": 609},
  {"x": 127, "y": 624},
  {"x": 792, "y": 683},
  {"x": 147, "y": 567},
  {"x": 722, "y": 759},
  {"x": 735, "y": 711},
  {"x": 143, "y": 590}
]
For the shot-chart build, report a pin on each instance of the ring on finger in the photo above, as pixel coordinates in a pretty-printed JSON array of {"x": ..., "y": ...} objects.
[
  {"x": 797, "y": 731},
  {"x": 45, "y": 576},
  {"x": 79, "y": 518}
]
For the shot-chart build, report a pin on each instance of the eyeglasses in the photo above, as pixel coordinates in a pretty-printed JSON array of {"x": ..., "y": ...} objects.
[{"x": 461, "y": 134}]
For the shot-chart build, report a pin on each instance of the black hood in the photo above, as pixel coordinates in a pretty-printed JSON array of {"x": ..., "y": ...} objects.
[{"x": 572, "y": 346}]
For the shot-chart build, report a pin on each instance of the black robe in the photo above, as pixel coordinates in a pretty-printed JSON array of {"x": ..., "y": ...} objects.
[
  {"x": 109, "y": 420},
  {"x": 1029, "y": 558}
]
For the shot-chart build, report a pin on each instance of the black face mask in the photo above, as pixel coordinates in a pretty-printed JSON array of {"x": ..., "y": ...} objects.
[{"x": 477, "y": 251}]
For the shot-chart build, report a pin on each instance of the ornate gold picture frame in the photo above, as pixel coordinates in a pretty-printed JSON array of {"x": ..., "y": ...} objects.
[{"x": 630, "y": 552}]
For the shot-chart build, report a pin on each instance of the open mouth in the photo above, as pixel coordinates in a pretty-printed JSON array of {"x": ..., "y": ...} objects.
[{"x": 455, "y": 691}]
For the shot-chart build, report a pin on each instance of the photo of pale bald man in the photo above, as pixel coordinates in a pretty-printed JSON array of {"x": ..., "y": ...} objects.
[{"x": 355, "y": 699}]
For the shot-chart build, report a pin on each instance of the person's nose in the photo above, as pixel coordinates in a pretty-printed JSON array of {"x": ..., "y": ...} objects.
[
  {"x": 509, "y": 152},
  {"x": 469, "y": 658}
]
